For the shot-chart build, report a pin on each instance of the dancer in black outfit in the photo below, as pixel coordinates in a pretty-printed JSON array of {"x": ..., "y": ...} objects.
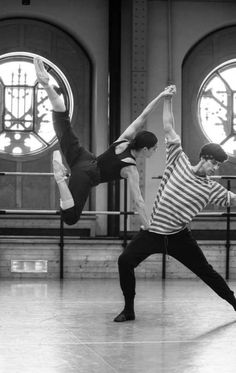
[
  {"x": 87, "y": 170},
  {"x": 183, "y": 192}
]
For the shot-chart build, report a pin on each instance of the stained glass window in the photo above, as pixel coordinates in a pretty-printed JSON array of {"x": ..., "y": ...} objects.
[
  {"x": 217, "y": 106},
  {"x": 25, "y": 111}
]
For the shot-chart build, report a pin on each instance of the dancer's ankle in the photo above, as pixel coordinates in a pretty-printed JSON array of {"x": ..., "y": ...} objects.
[
  {"x": 60, "y": 179},
  {"x": 59, "y": 171},
  {"x": 67, "y": 204},
  {"x": 129, "y": 304}
]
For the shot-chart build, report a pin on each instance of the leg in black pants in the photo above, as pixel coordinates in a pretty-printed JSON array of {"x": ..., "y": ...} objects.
[
  {"x": 143, "y": 245},
  {"x": 183, "y": 247}
]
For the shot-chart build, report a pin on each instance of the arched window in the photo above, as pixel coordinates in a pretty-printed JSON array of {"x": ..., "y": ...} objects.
[
  {"x": 27, "y": 139},
  {"x": 217, "y": 106},
  {"x": 208, "y": 96},
  {"x": 26, "y": 126}
]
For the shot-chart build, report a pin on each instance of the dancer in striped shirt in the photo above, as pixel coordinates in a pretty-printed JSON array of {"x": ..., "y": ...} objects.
[{"x": 183, "y": 192}]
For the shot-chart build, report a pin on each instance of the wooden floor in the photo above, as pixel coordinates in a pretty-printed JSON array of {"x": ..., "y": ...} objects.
[{"x": 65, "y": 327}]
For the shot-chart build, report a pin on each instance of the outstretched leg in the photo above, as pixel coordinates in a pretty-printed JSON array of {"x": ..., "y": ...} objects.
[
  {"x": 84, "y": 172},
  {"x": 186, "y": 250},
  {"x": 71, "y": 201}
]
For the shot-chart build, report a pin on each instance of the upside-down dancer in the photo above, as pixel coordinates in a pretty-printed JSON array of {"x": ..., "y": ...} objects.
[
  {"x": 87, "y": 170},
  {"x": 183, "y": 192}
]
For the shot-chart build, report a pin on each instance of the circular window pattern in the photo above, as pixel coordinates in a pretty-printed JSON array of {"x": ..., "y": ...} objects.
[
  {"x": 26, "y": 126},
  {"x": 217, "y": 106}
]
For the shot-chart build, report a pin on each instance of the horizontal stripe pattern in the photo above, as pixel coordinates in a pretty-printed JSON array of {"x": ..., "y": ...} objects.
[{"x": 181, "y": 194}]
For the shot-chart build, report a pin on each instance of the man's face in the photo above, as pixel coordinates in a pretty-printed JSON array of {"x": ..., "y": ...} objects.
[{"x": 210, "y": 166}]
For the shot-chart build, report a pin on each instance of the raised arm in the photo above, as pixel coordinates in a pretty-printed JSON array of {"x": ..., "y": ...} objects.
[
  {"x": 139, "y": 122},
  {"x": 132, "y": 175},
  {"x": 168, "y": 117},
  {"x": 43, "y": 78}
]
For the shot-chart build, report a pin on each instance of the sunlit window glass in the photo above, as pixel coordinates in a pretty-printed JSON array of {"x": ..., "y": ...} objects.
[
  {"x": 217, "y": 107},
  {"x": 26, "y": 126}
]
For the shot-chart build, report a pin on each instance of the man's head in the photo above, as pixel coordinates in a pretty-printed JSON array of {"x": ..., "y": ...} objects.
[
  {"x": 213, "y": 155},
  {"x": 213, "y": 151}
]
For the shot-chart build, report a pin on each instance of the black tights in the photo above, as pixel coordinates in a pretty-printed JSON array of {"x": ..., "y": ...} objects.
[{"x": 83, "y": 166}]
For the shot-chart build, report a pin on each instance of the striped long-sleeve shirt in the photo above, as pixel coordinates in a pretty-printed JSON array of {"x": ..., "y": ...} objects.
[{"x": 182, "y": 194}]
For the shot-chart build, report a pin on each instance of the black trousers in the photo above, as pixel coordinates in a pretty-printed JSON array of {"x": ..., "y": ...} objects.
[
  {"x": 181, "y": 246},
  {"x": 83, "y": 166}
]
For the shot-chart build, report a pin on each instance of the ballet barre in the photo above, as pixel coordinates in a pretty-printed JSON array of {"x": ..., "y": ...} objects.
[
  {"x": 9, "y": 173},
  {"x": 61, "y": 230},
  {"x": 28, "y": 212},
  {"x": 57, "y": 212},
  {"x": 223, "y": 177},
  {"x": 211, "y": 214},
  {"x": 215, "y": 214}
]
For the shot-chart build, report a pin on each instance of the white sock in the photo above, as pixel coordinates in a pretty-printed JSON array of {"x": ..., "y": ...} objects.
[
  {"x": 67, "y": 204},
  {"x": 62, "y": 179}
]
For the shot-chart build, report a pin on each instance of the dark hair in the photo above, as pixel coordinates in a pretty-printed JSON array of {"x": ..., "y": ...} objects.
[
  {"x": 213, "y": 151},
  {"x": 143, "y": 139}
]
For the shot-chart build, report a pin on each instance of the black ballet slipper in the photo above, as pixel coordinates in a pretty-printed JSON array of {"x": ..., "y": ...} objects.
[{"x": 125, "y": 316}]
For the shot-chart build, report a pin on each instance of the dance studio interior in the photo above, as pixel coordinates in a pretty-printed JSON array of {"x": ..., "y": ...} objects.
[{"x": 62, "y": 285}]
